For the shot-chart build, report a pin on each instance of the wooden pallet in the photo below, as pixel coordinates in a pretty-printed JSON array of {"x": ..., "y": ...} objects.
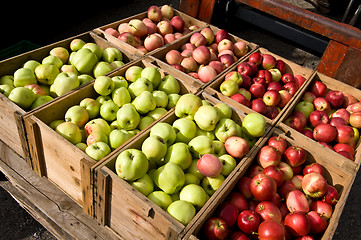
[{"x": 50, "y": 206}]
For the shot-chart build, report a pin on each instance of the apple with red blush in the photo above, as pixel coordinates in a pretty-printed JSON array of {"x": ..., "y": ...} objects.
[
  {"x": 318, "y": 88},
  {"x": 285, "y": 98},
  {"x": 215, "y": 228},
  {"x": 275, "y": 173},
  {"x": 278, "y": 143},
  {"x": 314, "y": 185},
  {"x": 255, "y": 57},
  {"x": 317, "y": 117},
  {"x": 295, "y": 156},
  {"x": 267, "y": 156},
  {"x": 268, "y": 61},
  {"x": 324, "y": 132},
  {"x": 258, "y": 105},
  {"x": 322, "y": 104},
  {"x": 335, "y": 98},
  {"x": 287, "y": 77},
  {"x": 240, "y": 98},
  {"x": 222, "y": 34}
]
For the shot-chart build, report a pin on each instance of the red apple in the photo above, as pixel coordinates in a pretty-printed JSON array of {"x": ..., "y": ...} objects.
[
  {"x": 177, "y": 23},
  {"x": 271, "y": 230},
  {"x": 284, "y": 210},
  {"x": 314, "y": 185},
  {"x": 245, "y": 69},
  {"x": 337, "y": 121},
  {"x": 209, "y": 165},
  {"x": 318, "y": 223},
  {"x": 263, "y": 187},
  {"x": 272, "y": 98},
  {"x": 164, "y": 27},
  {"x": 356, "y": 107},
  {"x": 345, "y": 134},
  {"x": 344, "y": 147},
  {"x": 240, "y": 98},
  {"x": 255, "y": 57},
  {"x": 239, "y": 201},
  {"x": 272, "y": 112},
  {"x": 202, "y": 55},
  {"x": 301, "y": 116},
  {"x": 275, "y": 86},
  {"x": 309, "y": 97},
  {"x": 291, "y": 87},
  {"x": 189, "y": 64},
  {"x": 227, "y": 60},
  {"x": 240, "y": 48},
  {"x": 322, "y": 104},
  {"x": 355, "y": 119},
  {"x": 313, "y": 167},
  {"x": 243, "y": 186},
  {"x": 221, "y": 34},
  {"x": 278, "y": 143},
  {"x": 307, "y": 132},
  {"x": 266, "y": 75},
  {"x": 248, "y": 221},
  {"x": 137, "y": 28},
  {"x": 229, "y": 213},
  {"x": 152, "y": 42},
  {"x": 206, "y": 73},
  {"x": 324, "y": 132},
  {"x": 281, "y": 65},
  {"x": 215, "y": 228},
  {"x": 299, "y": 80},
  {"x": 322, "y": 208},
  {"x": 342, "y": 113},
  {"x": 173, "y": 57},
  {"x": 317, "y": 117},
  {"x": 295, "y": 156},
  {"x": 112, "y": 32},
  {"x": 286, "y": 169},
  {"x": 295, "y": 122},
  {"x": 268, "y": 61},
  {"x": 286, "y": 188},
  {"x": 275, "y": 173},
  {"x": 348, "y": 100},
  {"x": 331, "y": 197},
  {"x": 259, "y": 106},
  {"x": 285, "y": 98},
  {"x": 335, "y": 98},
  {"x": 259, "y": 80},
  {"x": 197, "y": 39},
  {"x": 179, "y": 67},
  {"x": 217, "y": 65},
  {"x": 254, "y": 170},
  {"x": 268, "y": 211},
  {"x": 268, "y": 156},
  {"x": 296, "y": 201},
  {"x": 169, "y": 37},
  {"x": 188, "y": 46},
  {"x": 318, "y": 88},
  {"x": 346, "y": 155},
  {"x": 297, "y": 181},
  {"x": 297, "y": 224},
  {"x": 127, "y": 38},
  {"x": 287, "y": 77},
  {"x": 257, "y": 90},
  {"x": 236, "y": 146},
  {"x": 154, "y": 13}
]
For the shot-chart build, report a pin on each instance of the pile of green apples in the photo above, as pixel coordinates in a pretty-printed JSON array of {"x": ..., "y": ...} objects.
[
  {"x": 181, "y": 164},
  {"x": 36, "y": 83},
  {"x": 125, "y": 105}
]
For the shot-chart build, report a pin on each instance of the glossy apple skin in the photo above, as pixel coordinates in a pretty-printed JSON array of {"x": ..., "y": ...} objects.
[
  {"x": 275, "y": 173},
  {"x": 270, "y": 230},
  {"x": 314, "y": 185},
  {"x": 248, "y": 221},
  {"x": 297, "y": 224},
  {"x": 296, "y": 201},
  {"x": 263, "y": 187},
  {"x": 268, "y": 156},
  {"x": 331, "y": 197},
  {"x": 322, "y": 208},
  {"x": 324, "y": 132},
  {"x": 279, "y": 143},
  {"x": 295, "y": 156},
  {"x": 215, "y": 228},
  {"x": 268, "y": 211},
  {"x": 229, "y": 213}
]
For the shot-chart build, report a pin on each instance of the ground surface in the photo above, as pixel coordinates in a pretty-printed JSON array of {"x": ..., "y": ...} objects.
[{"x": 15, "y": 223}]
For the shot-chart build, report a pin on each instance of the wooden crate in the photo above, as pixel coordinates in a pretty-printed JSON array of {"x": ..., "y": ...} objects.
[
  {"x": 332, "y": 84},
  {"x": 60, "y": 161},
  {"x": 131, "y": 214},
  {"x": 160, "y": 54},
  {"x": 11, "y": 123},
  {"x": 341, "y": 178},
  {"x": 291, "y": 67},
  {"x": 189, "y": 21}
]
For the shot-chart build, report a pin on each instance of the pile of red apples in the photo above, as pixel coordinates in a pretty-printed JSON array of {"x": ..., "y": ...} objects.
[
  {"x": 330, "y": 117},
  {"x": 282, "y": 197},
  {"x": 207, "y": 54},
  {"x": 160, "y": 27},
  {"x": 262, "y": 84}
]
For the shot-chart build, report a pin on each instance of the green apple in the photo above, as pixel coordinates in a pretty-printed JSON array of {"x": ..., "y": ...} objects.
[
  {"x": 98, "y": 150},
  {"x": 165, "y": 131},
  {"x": 117, "y": 64},
  {"x": 356, "y": 134},
  {"x": 145, "y": 102},
  {"x": 169, "y": 177},
  {"x": 121, "y": 96},
  {"x": 181, "y": 210},
  {"x": 112, "y": 54},
  {"x": 169, "y": 85},
  {"x": 225, "y": 128},
  {"x": 77, "y": 115},
  {"x": 161, "y": 98},
  {"x": 175, "y": 196},
  {"x": 23, "y": 77},
  {"x": 224, "y": 110},
  {"x": 84, "y": 60},
  {"x": 144, "y": 185},
  {"x": 95, "y": 125},
  {"x": 155, "y": 148},
  {"x": 305, "y": 107},
  {"x": 206, "y": 103},
  {"x": 191, "y": 179},
  {"x": 145, "y": 122},
  {"x": 185, "y": 129},
  {"x": 139, "y": 86},
  {"x": 94, "y": 48},
  {"x": 53, "y": 60},
  {"x": 160, "y": 198},
  {"x": 85, "y": 79},
  {"x": 157, "y": 113},
  {"x": 55, "y": 123},
  {"x": 172, "y": 100},
  {"x": 152, "y": 74},
  {"x": 219, "y": 148},
  {"x": 61, "y": 53},
  {"x": 82, "y": 146},
  {"x": 70, "y": 132},
  {"x": 120, "y": 81},
  {"x": 187, "y": 106},
  {"x": 96, "y": 137},
  {"x": 103, "y": 99},
  {"x": 31, "y": 64},
  {"x": 108, "y": 111},
  {"x": 194, "y": 194},
  {"x": 207, "y": 117},
  {"x": 91, "y": 106},
  {"x": 133, "y": 73},
  {"x": 7, "y": 80},
  {"x": 228, "y": 88},
  {"x": 254, "y": 124},
  {"x": 210, "y": 185},
  {"x": 65, "y": 82},
  {"x": 200, "y": 132},
  {"x": 192, "y": 169},
  {"x": 102, "y": 68},
  {"x": 127, "y": 116},
  {"x": 22, "y": 96},
  {"x": 118, "y": 137},
  {"x": 201, "y": 145},
  {"x": 228, "y": 162},
  {"x": 179, "y": 154},
  {"x": 76, "y": 44},
  {"x": 69, "y": 68},
  {"x": 131, "y": 164},
  {"x": 103, "y": 85},
  {"x": 6, "y": 89}
]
